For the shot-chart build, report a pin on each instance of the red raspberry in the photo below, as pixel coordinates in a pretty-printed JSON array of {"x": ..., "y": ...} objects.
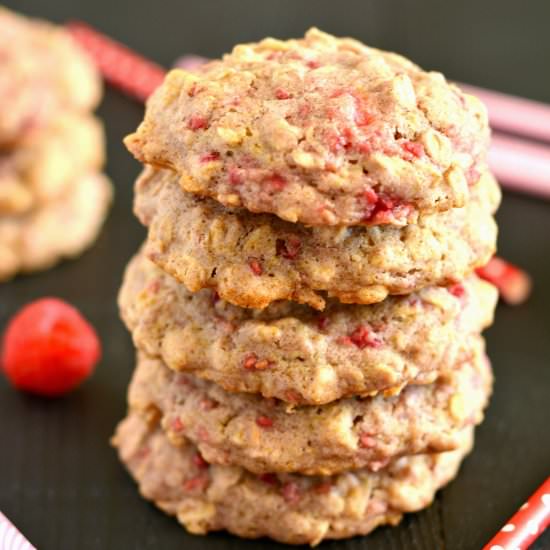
[
  {"x": 235, "y": 176},
  {"x": 249, "y": 362},
  {"x": 264, "y": 421},
  {"x": 291, "y": 492},
  {"x": 415, "y": 149},
  {"x": 255, "y": 266},
  {"x": 177, "y": 425},
  {"x": 323, "y": 322},
  {"x": 199, "y": 461},
  {"x": 366, "y": 440},
  {"x": 363, "y": 337},
  {"x": 197, "y": 122},
  {"x": 49, "y": 348},
  {"x": 313, "y": 64},
  {"x": 281, "y": 94},
  {"x": 275, "y": 182},
  {"x": 210, "y": 157},
  {"x": 197, "y": 484},
  {"x": 457, "y": 290},
  {"x": 289, "y": 248}
]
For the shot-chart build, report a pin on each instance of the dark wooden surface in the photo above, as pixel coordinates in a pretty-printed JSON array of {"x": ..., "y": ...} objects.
[{"x": 59, "y": 480}]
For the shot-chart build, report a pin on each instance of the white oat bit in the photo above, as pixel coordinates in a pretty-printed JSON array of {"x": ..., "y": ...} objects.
[
  {"x": 320, "y": 130},
  {"x": 289, "y": 508}
]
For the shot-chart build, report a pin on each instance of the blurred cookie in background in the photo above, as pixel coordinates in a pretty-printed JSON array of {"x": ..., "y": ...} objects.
[{"x": 53, "y": 198}]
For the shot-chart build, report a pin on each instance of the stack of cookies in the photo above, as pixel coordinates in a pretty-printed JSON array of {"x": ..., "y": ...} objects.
[
  {"x": 305, "y": 306},
  {"x": 53, "y": 198}
]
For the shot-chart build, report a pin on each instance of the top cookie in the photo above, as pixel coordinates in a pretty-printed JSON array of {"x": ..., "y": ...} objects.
[
  {"x": 321, "y": 131},
  {"x": 42, "y": 72}
]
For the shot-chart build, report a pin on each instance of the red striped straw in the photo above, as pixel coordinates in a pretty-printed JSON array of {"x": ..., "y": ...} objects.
[
  {"x": 120, "y": 66},
  {"x": 11, "y": 538},
  {"x": 527, "y": 524}
]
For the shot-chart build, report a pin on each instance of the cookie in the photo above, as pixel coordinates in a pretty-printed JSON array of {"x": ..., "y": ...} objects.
[
  {"x": 292, "y": 509},
  {"x": 266, "y": 436},
  {"x": 252, "y": 260},
  {"x": 44, "y": 165},
  {"x": 45, "y": 74},
  {"x": 321, "y": 131},
  {"x": 292, "y": 352},
  {"x": 59, "y": 229}
]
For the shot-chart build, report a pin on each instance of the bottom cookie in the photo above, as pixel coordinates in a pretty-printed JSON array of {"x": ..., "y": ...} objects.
[
  {"x": 293, "y": 509},
  {"x": 58, "y": 229}
]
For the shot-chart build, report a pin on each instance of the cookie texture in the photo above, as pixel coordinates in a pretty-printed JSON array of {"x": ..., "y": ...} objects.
[
  {"x": 44, "y": 74},
  {"x": 47, "y": 162},
  {"x": 292, "y": 509},
  {"x": 253, "y": 260},
  {"x": 293, "y": 353},
  {"x": 267, "y": 436},
  {"x": 59, "y": 229},
  {"x": 321, "y": 131}
]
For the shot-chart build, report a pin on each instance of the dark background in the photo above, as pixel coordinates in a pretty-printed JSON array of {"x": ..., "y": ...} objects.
[{"x": 61, "y": 483}]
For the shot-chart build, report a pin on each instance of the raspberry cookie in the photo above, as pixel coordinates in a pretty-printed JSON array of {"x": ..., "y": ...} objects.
[
  {"x": 253, "y": 260},
  {"x": 289, "y": 508},
  {"x": 44, "y": 165},
  {"x": 292, "y": 352},
  {"x": 321, "y": 131},
  {"x": 42, "y": 72},
  {"x": 265, "y": 436},
  {"x": 58, "y": 229}
]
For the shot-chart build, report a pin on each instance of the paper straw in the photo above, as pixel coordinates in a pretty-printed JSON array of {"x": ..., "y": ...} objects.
[
  {"x": 514, "y": 114},
  {"x": 514, "y": 284},
  {"x": 119, "y": 65},
  {"x": 11, "y": 538},
  {"x": 526, "y": 525},
  {"x": 521, "y": 165}
]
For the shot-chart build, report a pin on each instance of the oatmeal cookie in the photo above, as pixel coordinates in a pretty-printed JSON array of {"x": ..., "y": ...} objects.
[
  {"x": 292, "y": 352},
  {"x": 264, "y": 435},
  {"x": 289, "y": 508},
  {"x": 321, "y": 131},
  {"x": 42, "y": 73},
  {"x": 44, "y": 165},
  {"x": 59, "y": 229},
  {"x": 252, "y": 260}
]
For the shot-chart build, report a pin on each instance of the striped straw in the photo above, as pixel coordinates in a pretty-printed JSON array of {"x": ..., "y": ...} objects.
[{"x": 11, "y": 538}]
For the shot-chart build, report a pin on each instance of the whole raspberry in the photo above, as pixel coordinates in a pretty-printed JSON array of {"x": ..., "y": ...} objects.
[{"x": 49, "y": 348}]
